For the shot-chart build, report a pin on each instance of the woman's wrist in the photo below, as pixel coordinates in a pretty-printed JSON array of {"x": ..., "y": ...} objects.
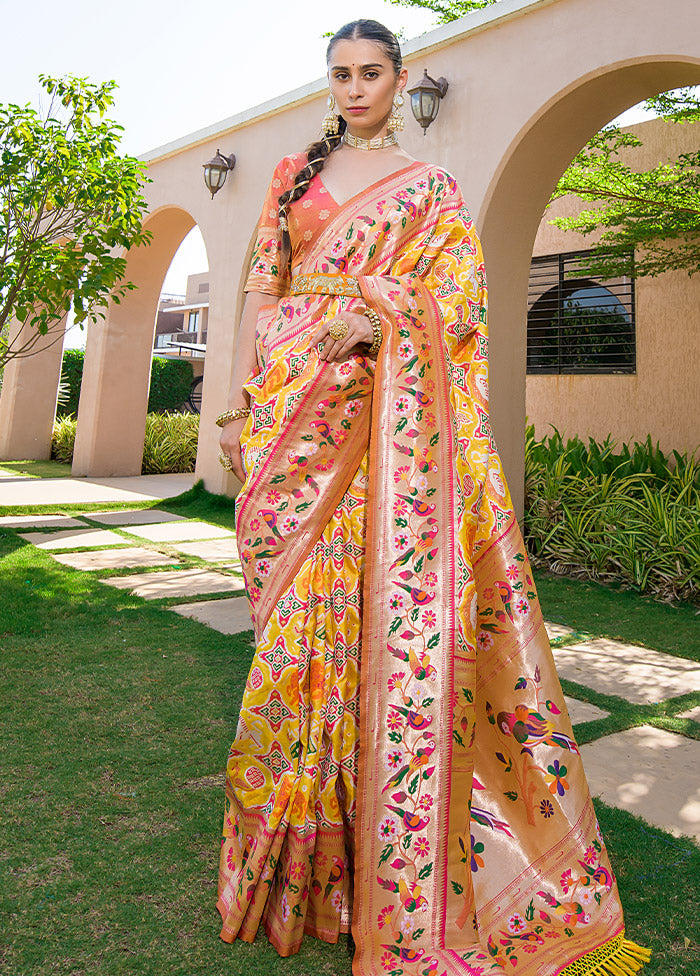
[
  {"x": 377, "y": 333},
  {"x": 233, "y": 413}
]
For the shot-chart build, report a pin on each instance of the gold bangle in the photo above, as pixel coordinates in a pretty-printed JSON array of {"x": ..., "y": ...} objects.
[
  {"x": 377, "y": 334},
  {"x": 236, "y": 414}
]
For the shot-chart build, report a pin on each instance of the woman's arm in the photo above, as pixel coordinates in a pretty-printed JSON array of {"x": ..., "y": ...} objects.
[{"x": 245, "y": 362}]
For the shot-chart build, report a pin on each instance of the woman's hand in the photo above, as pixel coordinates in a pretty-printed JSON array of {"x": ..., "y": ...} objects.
[
  {"x": 359, "y": 330},
  {"x": 230, "y": 442}
]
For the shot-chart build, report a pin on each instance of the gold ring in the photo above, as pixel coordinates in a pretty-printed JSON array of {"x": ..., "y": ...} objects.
[
  {"x": 225, "y": 461},
  {"x": 338, "y": 329}
]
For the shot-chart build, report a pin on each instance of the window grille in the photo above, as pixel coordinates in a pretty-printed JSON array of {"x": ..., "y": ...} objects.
[{"x": 578, "y": 324}]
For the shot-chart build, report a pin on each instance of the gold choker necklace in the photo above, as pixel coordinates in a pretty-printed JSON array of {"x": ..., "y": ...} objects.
[{"x": 379, "y": 142}]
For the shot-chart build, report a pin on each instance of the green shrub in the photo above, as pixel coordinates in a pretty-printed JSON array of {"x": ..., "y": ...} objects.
[
  {"x": 171, "y": 380},
  {"x": 71, "y": 378},
  {"x": 170, "y": 444},
  {"x": 63, "y": 440},
  {"x": 631, "y": 517}
]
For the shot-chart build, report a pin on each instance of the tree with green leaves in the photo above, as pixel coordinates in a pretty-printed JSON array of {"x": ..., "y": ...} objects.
[
  {"x": 446, "y": 10},
  {"x": 69, "y": 206},
  {"x": 648, "y": 220}
]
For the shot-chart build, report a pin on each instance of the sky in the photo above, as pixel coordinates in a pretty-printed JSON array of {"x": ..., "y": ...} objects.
[{"x": 179, "y": 65}]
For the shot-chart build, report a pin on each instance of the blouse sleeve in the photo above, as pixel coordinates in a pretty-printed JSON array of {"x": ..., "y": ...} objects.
[{"x": 265, "y": 274}]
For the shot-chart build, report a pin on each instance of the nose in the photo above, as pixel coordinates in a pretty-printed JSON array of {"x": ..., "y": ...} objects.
[{"x": 355, "y": 87}]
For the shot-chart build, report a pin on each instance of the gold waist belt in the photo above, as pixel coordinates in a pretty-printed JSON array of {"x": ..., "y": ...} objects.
[{"x": 326, "y": 284}]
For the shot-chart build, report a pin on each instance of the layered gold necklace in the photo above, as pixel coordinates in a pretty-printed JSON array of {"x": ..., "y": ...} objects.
[{"x": 379, "y": 142}]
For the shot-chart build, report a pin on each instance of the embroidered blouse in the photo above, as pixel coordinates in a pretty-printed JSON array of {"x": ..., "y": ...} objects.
[{"x": 306, "y": 218}]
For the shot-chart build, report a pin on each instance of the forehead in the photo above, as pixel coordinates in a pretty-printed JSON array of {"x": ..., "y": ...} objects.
[{"x": 347, "y": 53}]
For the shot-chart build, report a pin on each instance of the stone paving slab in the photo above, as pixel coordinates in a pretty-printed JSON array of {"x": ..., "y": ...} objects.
[
  {"x": 213, "y": 550},
  {"x": 180, "y": 531},
  {"x": 40, "y": 522},
  {"x": 230, "y": 616},
  {"x": 557, "y": 630},
  {"x": 59, "y": 491},
  {"x": 127, "y": 558},
  {"x": 180, "y": 582},
  {"x": 693, "y": 713},
  {"x": 580, "y": 711},
  {"x": 146, "y": 516},
  {"x": 73, "y": 538},
  {"x": 635, "y": 673},
  {"x": 652, "y": 773}
]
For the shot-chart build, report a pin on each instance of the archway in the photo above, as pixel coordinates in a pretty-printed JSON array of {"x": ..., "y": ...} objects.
[
  {"x": 114, "y": 392},
  {"x": 512, "y": 209}
]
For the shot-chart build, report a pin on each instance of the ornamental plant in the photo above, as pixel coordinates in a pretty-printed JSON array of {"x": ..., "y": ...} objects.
[
  {"x": 628, "y": 516},
  {"x": 69, "y": 206}
]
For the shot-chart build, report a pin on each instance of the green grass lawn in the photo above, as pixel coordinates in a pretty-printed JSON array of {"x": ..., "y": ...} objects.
[
  {"x": 116, "y": 721},
  {"x": 37, "y": 469}
]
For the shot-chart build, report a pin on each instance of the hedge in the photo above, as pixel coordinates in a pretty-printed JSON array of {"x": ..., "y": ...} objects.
[{"x": 171, "y": 380}]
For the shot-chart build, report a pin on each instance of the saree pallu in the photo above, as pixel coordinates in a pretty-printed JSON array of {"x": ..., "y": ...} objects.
[{"x": 445, "y": 790}]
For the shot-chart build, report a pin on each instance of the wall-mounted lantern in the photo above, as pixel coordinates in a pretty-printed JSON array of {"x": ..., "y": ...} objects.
[
  {"x": 216, "y": 170},
  {"x": 425, "y": 99}
]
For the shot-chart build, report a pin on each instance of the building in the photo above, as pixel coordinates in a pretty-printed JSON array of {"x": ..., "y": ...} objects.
[
  {"x": 181, "y": 330},
  {"x": 594, "y": 361},
  {"x": 181, "y": 325},
  {"x": 615, "y": 357}
]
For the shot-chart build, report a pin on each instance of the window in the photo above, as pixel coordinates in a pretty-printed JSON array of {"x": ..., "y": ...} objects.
[
  {"x": 577, "y": 324},
  {"x": 193, "y": 321}
]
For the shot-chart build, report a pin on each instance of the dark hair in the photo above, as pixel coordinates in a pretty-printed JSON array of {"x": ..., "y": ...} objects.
[{"x": 317, "y": 152}]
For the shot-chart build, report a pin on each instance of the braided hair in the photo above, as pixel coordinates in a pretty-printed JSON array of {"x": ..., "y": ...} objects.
[{"x": 318, "y": 152}]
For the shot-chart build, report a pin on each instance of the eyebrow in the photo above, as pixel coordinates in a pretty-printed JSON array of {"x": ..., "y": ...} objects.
[{"x": 342, "y": 67}]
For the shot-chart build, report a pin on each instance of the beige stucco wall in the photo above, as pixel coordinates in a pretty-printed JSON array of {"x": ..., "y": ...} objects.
[{"x": 663, "y": 397}]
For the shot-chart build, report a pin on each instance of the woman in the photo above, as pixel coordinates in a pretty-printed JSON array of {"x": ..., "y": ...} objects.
[{"x": 403, "y": 738}]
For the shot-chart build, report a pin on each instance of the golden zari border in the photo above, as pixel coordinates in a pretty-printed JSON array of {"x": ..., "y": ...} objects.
[{"x": 326, "y": 284}]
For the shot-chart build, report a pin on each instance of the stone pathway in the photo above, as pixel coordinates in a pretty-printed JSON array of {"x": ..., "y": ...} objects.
[
  {"x": 646, "y": 770},
  {"x": 650, "y": 772},
  {"x": 230, "y": 616},
  {"x": 128, "y": 557},
  {"x": 631, "y": 672},
  {"x": 18, "y": 490},
  {"x": 73, "y": 539},
  {"x": 179, "y": 582}
]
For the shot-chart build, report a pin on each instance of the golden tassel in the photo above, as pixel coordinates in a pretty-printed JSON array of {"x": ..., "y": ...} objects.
[{"x": 619, "y": 957}]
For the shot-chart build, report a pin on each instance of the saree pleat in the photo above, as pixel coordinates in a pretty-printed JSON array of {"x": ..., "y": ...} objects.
[
  {"x": 292, "y": 770},
  {"x": 430, "y": 779}
]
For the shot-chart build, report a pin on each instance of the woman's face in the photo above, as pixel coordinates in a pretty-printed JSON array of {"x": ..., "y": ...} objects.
[{"x": 364, "y": 83}]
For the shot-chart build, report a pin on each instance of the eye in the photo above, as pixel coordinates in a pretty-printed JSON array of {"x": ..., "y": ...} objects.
[{"x": 371, "y": 74}]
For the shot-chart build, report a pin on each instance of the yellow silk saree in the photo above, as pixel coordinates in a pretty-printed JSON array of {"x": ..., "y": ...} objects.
[{"x": 404, "y": 757}]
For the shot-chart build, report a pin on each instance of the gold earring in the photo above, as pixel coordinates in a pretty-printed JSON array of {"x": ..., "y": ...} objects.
[
  {"x": 330, "y": 123},
  {"x": 396, "y": 121}
]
